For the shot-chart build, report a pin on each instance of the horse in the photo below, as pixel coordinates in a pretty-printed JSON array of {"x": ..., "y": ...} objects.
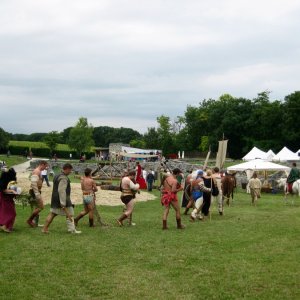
[
  {"x": 228, "y": 186},
  {"x": 295, "y": 188}
]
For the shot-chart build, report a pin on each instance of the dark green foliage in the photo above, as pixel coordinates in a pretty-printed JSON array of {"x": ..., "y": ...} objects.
[
  {"x": 104, "y": 135},
  {"x": 45, "y": 152},
  {"x": 33, "y": 137},
  {"x": 4, "y": 139},
  {"x": 65, "y": 135},
  {"x": 51, "y": 140},
  {"x": 18, "y": 150},
  {"x": 291, "y": 120},
  {"x": 80, "y": 138},
  {"x": 246, "y": 123}
]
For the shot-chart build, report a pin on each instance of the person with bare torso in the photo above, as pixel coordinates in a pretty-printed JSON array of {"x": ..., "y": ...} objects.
[
  {"x": 89, "y": 188},
  {"x": 169, "y": 198}
]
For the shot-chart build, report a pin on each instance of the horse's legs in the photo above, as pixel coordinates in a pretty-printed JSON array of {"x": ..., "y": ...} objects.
[{"x": 227, "y": 200}]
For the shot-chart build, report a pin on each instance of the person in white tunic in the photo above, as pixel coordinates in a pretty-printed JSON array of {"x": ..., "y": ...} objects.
[{"x": 255, "y": 187}]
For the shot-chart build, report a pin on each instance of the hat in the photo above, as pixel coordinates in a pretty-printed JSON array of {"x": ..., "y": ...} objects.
[{"x": 200, "y": 173}]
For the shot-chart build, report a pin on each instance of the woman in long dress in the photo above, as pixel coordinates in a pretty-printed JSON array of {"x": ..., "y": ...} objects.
[
  {"x": 7, "y": 204},
  {"x": 139, "y": 177}
]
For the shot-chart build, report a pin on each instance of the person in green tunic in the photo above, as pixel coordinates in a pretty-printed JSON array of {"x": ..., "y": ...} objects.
[{"x": 293, "y": 176}]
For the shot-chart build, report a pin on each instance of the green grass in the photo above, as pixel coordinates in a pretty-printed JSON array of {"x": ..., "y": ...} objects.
[
  {"x": 12, "y": 159},
  {"x": 249, "y": 253},
  {"x": 29, "y": 144}
]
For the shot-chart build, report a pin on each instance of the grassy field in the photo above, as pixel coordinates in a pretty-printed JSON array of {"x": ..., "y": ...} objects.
[
  {"x": 249, "y": 253},
  {"x": 37, "y": 145},
  {"x": 12, "y": 159}
]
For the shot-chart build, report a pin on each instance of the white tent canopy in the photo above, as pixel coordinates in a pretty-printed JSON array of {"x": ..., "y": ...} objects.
[
  {"x": 254, "y": 153},
  {"x": 285, "y": 154},
  {"x": 269, "y": 155},
  {"x": 258, "y": 165}
]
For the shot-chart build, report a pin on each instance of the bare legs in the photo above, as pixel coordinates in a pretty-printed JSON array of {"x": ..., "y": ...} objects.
[
  {"x": 127, "y": 213},
  {"x": 35, "y": 214},
  {"x": 88, "y": 209},
  {"x": 49, "y": 220},
  {"x": 175, "y": 205}
]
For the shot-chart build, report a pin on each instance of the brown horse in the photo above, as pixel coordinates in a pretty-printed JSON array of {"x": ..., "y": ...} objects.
[{"x": 228, "y": 186}]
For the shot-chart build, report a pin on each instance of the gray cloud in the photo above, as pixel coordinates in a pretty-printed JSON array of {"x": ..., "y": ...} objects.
[{"x": 122, "y": 63}]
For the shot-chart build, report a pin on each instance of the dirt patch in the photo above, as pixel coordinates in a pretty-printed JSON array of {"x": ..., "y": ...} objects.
[{"x": 104, "y": 197}]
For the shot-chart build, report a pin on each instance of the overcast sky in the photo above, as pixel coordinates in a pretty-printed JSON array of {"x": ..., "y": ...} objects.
[{"x": 123, "y": 63}]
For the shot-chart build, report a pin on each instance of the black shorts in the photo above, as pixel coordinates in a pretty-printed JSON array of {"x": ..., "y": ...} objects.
[{"x": 126, "y": 199}]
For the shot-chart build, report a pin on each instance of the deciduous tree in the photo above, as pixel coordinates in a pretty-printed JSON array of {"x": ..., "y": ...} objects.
[
  {"x": 81, "y": 136},
  {"x": 4, "y": 139},
  {"x": 51, "y": 140}
]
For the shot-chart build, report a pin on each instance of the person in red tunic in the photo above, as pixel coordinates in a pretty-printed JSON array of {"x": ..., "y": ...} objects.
[
  {"x": 139, "y": 177},
  {"x": 169, "y": 197}
]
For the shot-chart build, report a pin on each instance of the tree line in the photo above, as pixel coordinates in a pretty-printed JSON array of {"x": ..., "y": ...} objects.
[
  {"x": 244, "y": 122},
  {"x": 79, "y": 137}
]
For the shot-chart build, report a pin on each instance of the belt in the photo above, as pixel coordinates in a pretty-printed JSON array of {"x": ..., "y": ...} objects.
[{"x": 88, "y": 193}]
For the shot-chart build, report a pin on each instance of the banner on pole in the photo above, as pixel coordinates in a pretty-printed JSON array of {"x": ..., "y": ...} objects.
[{"x": 221, "y": 155}]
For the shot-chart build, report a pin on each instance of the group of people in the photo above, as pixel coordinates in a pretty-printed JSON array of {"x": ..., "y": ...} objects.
[
  {"x": 143, "y": 178},
  {"x": 200, "y": 188},
  {"x": 60, "y": 201}
]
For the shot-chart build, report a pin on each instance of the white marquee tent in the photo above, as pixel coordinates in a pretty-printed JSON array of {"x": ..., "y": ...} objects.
[
  {"x": 269, "y": 155},
  {"x": 254, "y": 153},
  {"x": 257, "y": 165},
  {"x": 285, "y": 155}
]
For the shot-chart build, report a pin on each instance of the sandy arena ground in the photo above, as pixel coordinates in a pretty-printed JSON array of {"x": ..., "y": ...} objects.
[{"x": 103, "y": 197}]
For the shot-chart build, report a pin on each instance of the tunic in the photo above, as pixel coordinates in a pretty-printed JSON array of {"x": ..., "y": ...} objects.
[{"x": 61, "y": 195}]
